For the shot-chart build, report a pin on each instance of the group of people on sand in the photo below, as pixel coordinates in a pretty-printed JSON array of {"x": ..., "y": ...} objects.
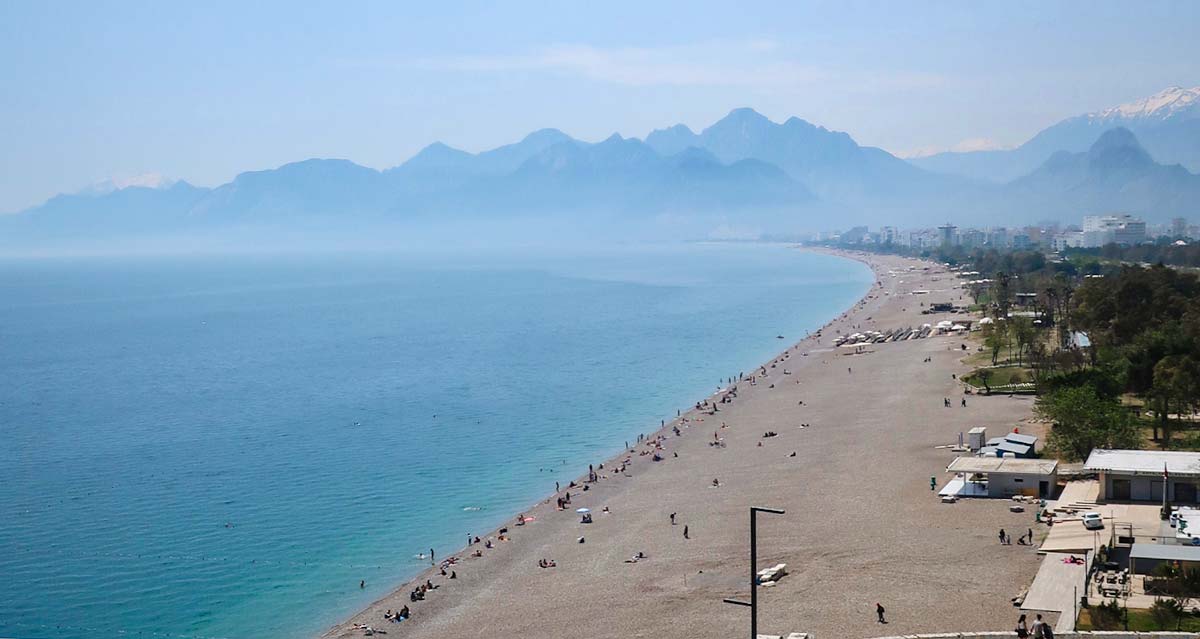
[
  {"x": 418, "y": 593},
  {"x": 547, "y": 563},
  {"x": 1024, "y": 540},
  {"x": 398, "y": 616}
]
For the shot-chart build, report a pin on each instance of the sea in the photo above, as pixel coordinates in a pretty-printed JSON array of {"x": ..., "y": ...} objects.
[{"x": 228, "y": 446}]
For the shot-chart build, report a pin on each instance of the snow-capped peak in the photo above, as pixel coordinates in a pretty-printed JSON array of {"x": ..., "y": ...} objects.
[
  {"x": 1161, "y": 105},
  {"x": 144, "y": 180}
]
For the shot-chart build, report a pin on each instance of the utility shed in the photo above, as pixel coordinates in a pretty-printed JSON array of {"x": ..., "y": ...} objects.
[
  {"x": 1010, "y": 445},
  {"x": 1013, "y": 449},
  {"x": 1017, "y": 438},
  {"x": 1005, "y": 476},
  {"x": 1144, "y": 558},
  {"x": 1139, "y": 475}
]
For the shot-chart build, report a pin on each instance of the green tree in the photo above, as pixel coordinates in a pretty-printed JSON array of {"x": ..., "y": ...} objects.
[
  {"x": 1024, "y": 333},
  {"x": 995, "y": 337},
  {"x": 1166, "y": 613},
  {"x": 1083, "y": 420},
  {"x": 1106, "y": 616},
  {"x": 1175, "y": 389},
  {"x": 985, "y": 376}
]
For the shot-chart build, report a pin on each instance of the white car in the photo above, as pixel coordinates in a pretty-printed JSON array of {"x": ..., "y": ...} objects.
[{"x": 1092, "y": 521}]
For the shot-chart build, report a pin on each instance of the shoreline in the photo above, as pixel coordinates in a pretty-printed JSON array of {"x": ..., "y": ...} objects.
[
  {"x": 489, "y": 587},
  {"x": 338, "y": 629}
]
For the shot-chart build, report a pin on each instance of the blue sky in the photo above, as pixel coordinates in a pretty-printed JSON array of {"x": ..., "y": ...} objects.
[{"x": 203, "y": 91}]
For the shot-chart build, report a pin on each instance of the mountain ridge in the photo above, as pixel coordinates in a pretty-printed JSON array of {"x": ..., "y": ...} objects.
[{"x": 1168, "y": 123}]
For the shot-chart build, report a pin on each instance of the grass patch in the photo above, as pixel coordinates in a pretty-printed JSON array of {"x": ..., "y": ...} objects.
[
  {"x": 1000, "y": 377},
  {"x": 1140, "y": 621}
]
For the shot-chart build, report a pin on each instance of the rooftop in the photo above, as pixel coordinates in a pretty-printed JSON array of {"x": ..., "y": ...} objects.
[
  {"x": 1003, "y": 465},
  {"x": 1166, "y": 552},
  {"x": 1145, "y": 462}
]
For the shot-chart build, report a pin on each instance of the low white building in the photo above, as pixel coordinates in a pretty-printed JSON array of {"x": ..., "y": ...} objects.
[
  {"x": 1002, "y": 477},
  {"x": 1139, "y": 475}
]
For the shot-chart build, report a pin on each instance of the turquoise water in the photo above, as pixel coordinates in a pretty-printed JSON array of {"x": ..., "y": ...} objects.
[{"x": 226, "y": 447}]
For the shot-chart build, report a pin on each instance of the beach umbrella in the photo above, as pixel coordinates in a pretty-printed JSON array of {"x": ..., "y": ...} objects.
[{"x": 583, "y": 510}]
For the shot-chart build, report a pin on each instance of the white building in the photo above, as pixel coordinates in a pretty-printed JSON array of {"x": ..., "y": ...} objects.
[
  {"x": 1068, "y": 239},
  {"x": 1001, "y": 477},
  {"x": 1099, "y": 230},
  {"x": 1139, "y": 475}
]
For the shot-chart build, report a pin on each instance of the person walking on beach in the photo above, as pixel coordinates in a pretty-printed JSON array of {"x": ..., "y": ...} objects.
[
  {"x": 1002, "y": 536},
  {"x": 685, "y": 532},
  {"x": 879, "y": 612},
  {"x": 1022, "y": 629},
  {"x": 672, "y": 519},
  {"x": 964, "y": 402},
  {"x": 1039, "y": 627},
  {"x": 1029, "y": 536}
]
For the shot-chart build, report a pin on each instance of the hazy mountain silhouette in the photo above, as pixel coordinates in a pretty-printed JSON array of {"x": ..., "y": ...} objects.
[
  {"x": 830, "y": 163},
  {"x": 1167, "y": 123},
  {"x": 744, "y": 171},
  {"x": 1115, "y": 174}
]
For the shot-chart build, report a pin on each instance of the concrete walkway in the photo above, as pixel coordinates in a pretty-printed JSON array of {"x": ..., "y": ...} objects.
[{"x": 1055, "y": 589}]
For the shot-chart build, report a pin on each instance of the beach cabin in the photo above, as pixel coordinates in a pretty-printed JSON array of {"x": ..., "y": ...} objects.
[
  {"x": 1139, "y": 475},
  {"x": 1001, "y": 477}
]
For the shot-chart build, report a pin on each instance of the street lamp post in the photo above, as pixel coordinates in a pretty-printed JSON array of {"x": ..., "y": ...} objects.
[{"x": 753, "y": 604}]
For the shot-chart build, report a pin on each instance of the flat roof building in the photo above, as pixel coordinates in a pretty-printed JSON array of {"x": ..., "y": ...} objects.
[
  {"x": 1139, "y": 475},
  {"x": 1003, "y": 476},
  {"x": 1144, "y": 558}
]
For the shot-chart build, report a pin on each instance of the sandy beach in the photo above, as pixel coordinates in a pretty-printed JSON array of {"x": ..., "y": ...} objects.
[{"x": 862, "y": 525}]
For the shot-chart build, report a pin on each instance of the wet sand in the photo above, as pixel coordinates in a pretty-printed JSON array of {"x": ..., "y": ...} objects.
[{"x": 862, "y": 525}]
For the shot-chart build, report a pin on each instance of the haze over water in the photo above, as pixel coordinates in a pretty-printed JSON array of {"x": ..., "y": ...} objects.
[{"x": 226, "y": 447}]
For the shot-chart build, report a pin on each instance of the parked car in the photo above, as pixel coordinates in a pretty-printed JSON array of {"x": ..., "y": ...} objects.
[{"x": 1092, "y": 520}]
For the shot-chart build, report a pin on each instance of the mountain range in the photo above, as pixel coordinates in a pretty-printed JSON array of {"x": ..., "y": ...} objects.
[
  {"x": 1167, "y": 123},
  {"x": 744, "y": 171}
]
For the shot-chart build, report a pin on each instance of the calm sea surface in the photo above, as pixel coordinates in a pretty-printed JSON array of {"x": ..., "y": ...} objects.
[{"x": 225, "y": 447}]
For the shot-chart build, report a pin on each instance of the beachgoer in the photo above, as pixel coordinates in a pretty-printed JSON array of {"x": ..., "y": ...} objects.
[
  {"x": 879, "y": 612},
  {"x": 685, "y": 533},
  {"x": 1039, "y": 627},
  {"x": 964, "y": 402},
  {"x": 1022, "y": 629},
  {"x": 362, "y": 584},
  {"x": 1002, "y": 535},
  {"x": 672, "y": 519}
]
